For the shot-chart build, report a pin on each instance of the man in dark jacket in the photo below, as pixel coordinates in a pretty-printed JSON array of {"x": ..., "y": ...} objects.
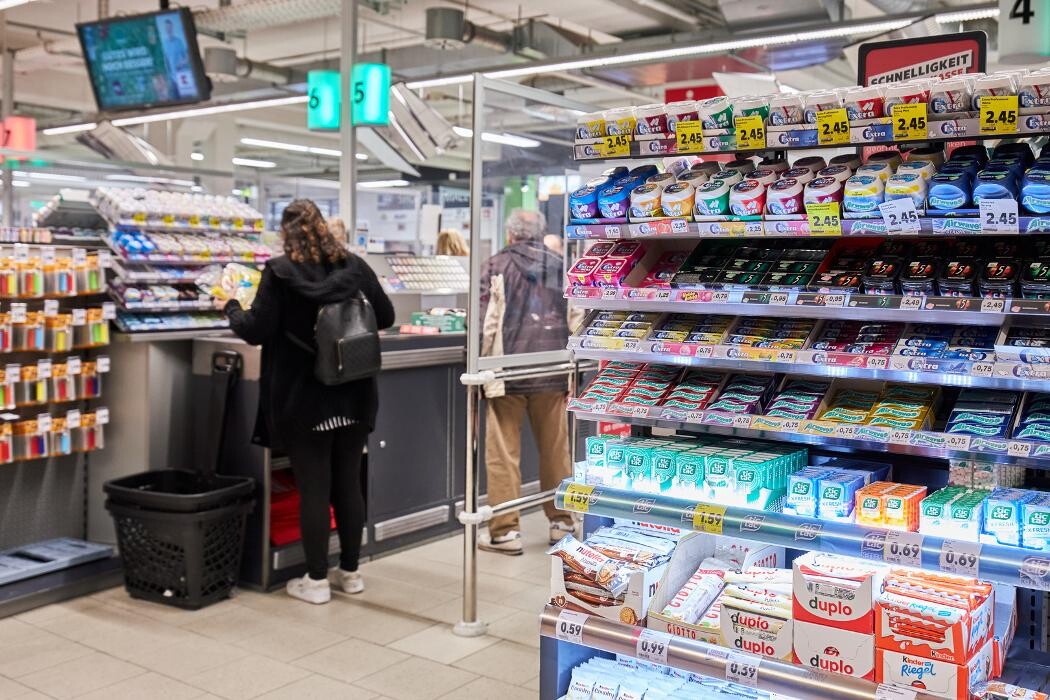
[{"x": 524, "y": 310}]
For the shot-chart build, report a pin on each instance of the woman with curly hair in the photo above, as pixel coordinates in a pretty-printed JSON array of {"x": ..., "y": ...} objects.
[{"x": 322, "y": 428}]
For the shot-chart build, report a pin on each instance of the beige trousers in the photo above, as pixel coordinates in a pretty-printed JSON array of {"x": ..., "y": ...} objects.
[{"x": 504, "y": 416}]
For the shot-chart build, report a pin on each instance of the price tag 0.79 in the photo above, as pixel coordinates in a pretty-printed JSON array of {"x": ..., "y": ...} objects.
[
  {"x": 742, "y": 669},
  {"x": 569, "y": 627},
  {"x": 958, "y": 557},
  {"x": 832, "y": 127},
  {"x": 824, "y": 219},
  {"x": 900, "y": 216},
  {"x": 998, "y": 215},
  {"x": 750, "y": 132},
  {"x": 652, "y": 646},
  {"x": 998, "y": 114},
  {"x": 689, "y": 137}
]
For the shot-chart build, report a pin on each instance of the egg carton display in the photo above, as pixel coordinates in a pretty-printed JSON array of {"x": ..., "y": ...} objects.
[
  {"x": 151, "y": 246},
  {"x": 176, "y": 210},
  {"x": 790, "y": 120}
]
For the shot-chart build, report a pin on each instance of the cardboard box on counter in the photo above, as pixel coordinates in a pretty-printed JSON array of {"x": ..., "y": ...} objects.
[
  {"x": 836, "y": 650},
  {"x": 939, "y": 678}
]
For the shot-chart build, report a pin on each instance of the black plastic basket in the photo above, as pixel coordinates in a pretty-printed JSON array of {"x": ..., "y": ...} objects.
[
  {"x": 181, "y": 533},
  {"x": 188, "y": 560}
]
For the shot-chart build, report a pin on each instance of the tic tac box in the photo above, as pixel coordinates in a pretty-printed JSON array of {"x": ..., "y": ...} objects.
[
  {"x": 931, "y": 630},
  {"x": 836, "y": 650},
  {"x": 836, "y": 591},
  {"x": 939, "y": 678}
]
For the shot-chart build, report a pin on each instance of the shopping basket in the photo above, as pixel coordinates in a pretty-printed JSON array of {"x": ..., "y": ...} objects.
[{"x": 181, "y": 532}]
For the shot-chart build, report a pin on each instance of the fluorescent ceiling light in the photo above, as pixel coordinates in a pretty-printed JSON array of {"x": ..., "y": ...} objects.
[
  {"x": 214, "y": 109},
  {"x": 361, "y": 156},
  {"x": 69, "y": 129},
  {"x": 196, "y": 188},
  {"x": 965, "y": 15},
  {"x": 20, "y": 183},
  {"x": 197, "y": 155},
  {"x": 671, "y": 53},
  {"x": 384, "y": 183},
  {"x": 298, "y": 148},
  {"x": 151, "y": 180},
  {"x": 8, "y": 4},
  {"x": 252, "y": 163},
  {"x": 50, "y": 177},
  {"x": 505, "y": 139}
]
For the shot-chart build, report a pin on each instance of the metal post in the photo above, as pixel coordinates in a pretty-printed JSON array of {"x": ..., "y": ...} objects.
[
  {"x": 470, "y": 625},
  {"x": 347, "y": 131},
  {"x": 7, "y": 108}
]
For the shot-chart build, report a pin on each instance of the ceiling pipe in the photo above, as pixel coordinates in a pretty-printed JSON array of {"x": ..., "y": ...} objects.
[{"x": 447, "y": 28}]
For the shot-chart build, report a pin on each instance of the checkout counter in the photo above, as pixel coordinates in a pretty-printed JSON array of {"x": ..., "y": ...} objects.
[{"x": 415, "y": 458}]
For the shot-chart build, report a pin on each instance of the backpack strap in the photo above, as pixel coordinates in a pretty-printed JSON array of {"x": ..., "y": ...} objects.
[{"x": 299, "y": 343}]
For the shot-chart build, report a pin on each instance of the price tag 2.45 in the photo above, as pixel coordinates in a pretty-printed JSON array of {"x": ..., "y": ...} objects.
[
  {"x": 750, "y": 132},
  {"x": 958, "y": 557},
  {"x": 742, "y": 669},
  {"x": 689, "y": 137},
  {"x": 618, "y": 146},
  {"x": 998, "y": 114},
  {"x": 824, "y": 219},
  {"x": 900, "y": 216},
  {"x": 652, "y": 646},
  {"x": 569, "y": 627},
  {"x": 832, "y": 127},
  {"x": 998, "y": 215},
  {"x": 909, "y": 122}
]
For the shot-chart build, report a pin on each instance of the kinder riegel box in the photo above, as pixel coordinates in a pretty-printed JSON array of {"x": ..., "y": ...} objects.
[
  {"x": 930, "y": 629},
  {"x": 757, "y": 628},
  {"x": 836, "y": 591},
  {"x": 939, "y": 678},
  {"x": 835, "y": 650},
  {"x": 1005, "y": 625}
]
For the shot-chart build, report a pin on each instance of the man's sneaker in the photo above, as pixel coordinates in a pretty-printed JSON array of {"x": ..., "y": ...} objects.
[
  {"x": 306, "y": 588},
  {"x": 347, "y": 581},
  {"x": 560, "y": 529},
  {"x": 503, "y": 544}
]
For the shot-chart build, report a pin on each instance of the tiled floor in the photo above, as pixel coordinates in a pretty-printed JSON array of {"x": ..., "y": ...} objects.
[{"x": 393, "y": 641}]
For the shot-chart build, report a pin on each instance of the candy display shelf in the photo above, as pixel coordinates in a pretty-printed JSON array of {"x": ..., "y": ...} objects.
[
  {"x": 177, "y": 260},
  {"x": 158, "y": 306},
  {"x": 793, "y": 227},
  {"x": 145, "y": 274},
  {"x": 992, "y": 562},
  {"x": 924, "y": 443}
]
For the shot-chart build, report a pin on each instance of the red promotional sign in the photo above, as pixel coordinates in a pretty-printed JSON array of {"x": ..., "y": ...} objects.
[
  {"x": 19, "y": 133},
  {"x": 693, "y": 92},
  {"x": 926, "y": 57}
]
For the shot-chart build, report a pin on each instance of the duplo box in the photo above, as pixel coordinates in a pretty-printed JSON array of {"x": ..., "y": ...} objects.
[
  {"x": 940, "y": 678},
  {"x": 835, "y": 591},
  {"x": 836, "y": 650},
  {"x": 760, "y": 633}
]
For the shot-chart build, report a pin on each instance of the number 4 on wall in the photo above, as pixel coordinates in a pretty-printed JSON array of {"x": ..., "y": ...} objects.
[{"x": 1022, "y": 10}]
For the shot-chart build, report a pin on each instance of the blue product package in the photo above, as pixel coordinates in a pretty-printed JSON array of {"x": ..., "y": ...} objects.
[
  {"x": 1035, "y": 193},
  {"x": 1035, "y": 523},
  {"x": 994, "y": 184},
  {"x": 1017, "y": 149},
  {"x": 968, "y": 166},
  {"x": 949, "y": 190},
  {"x": 801, "y": 496},
  {"x": 1013, "y": 164},
  {"x": 975, "y": 151},
  {"x": 988, "y": 396},
  {"x": 837, "y": 493},
  {"x": 1002, "y": 514}
]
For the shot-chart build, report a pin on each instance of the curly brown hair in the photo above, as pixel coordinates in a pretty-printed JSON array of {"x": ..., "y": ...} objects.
[{"x": 306, "y": 235}]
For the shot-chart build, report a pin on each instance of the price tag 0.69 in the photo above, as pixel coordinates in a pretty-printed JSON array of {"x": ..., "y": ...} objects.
[
  {"x": 750, "y": 132},
  {"x": 998, "y": 114},
  {"x": 904, "y": 548},
  {"x": 958, "y": 557},
  {"x": 900, "y": 216},
  {"x": 909, "y": 122},
  {"x": 652, "y": 646},
  {"x": 689, "y": 137},
  {"x": 824, "y": 219},
  {"x": 742, "y": 669},
  {"x": 569, "y": 627},
  {"x": 998, "y": 215},
  {"x": 832, "y": 127}
]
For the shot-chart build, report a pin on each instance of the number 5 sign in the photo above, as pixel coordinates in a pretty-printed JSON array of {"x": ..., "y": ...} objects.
[{"x": 370, "y": 94}]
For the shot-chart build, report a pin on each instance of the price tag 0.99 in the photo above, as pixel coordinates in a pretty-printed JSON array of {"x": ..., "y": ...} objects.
[
  {"x": 569, "y": 627},
  {"x": 750, "y": 132},
  {"x": 909, "y": 122},
  {"x": 742, "y": 669},
  {"x": 689, "y": 137},
  {"x": 904, "y": 548},
  {"x": 900, "y": 216},
  {"x": 578, "y": 497},
  {"x": 958, "y": 557},
  {"x": 824, "y": 219},
  {"x": 618, "y": 146},
  {"x": 998, "y": 215},
  {"x": 652, "y": 646},
  {"x": 998, "y": 114},
  {"x": 709, "y": 518},
  {"x": 832, "y": 127}
]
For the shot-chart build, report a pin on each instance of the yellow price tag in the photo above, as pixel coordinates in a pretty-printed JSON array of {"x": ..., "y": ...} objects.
[
  {"x": 824, "y": 219},
  {"x": 999, "y": 114},
  {"x": 689, "y": 137},
  {"x": 139, "y": 217},
  {"x": 168, "y": 219},
  {"x": 214, "y": 222},
  {"x": 709, "y": 518},
  {"x": 909, "y": 122},
  {"x": 578, "y": 497},
  {"x": 750, "y": 132},
  {"x": 618, "y": 146},
  {"x": 832, "y": 127},
  {"x": 195, "y": 220}
]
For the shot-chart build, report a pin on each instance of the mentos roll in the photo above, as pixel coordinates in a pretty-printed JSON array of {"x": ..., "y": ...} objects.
[
  {"x": 716, "y": 112},
  {"x": 785, "y": 196},
  {"x": 583, "y": 203},
  {"x": 817, "y": 101},
  {"x": 814, "y": 163},
  {"x": 821, "y": 190},
  {"x": 839, "y": 172},
  {"x": 747, "y": 198},
  {"x": 863, "y": 193},
  {"x": 909, "y": 185},
  {"x": 950, "y": 95},
  {"x": 863, "y": 103},
  {"x": 994, "y": 184},
  {"x": 785, "y": 109},
  {"x": 1035, "y": 192},
  {"x": 922, "y": 168},
  {"x": 803, "y": 175},
  {"x": 712, "y": 199},
  {"x": 949, "y": 190},
  {"x": 850, "y": 160}
]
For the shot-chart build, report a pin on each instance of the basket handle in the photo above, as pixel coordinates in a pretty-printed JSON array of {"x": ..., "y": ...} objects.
[{"x": 226, "y": 367}]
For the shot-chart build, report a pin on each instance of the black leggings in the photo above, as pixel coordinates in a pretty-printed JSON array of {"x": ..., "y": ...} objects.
[{"x": 327, "y": 467}]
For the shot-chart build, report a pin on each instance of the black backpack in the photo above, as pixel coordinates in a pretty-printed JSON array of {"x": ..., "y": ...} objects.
[{"x": 346, "y": 342}]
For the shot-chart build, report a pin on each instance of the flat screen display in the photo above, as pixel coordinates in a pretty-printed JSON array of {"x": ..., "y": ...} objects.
[{"x": 142, "y": 61}]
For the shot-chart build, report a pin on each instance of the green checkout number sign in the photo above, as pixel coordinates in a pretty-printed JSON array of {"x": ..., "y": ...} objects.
[{"x": 369, "y": 97}]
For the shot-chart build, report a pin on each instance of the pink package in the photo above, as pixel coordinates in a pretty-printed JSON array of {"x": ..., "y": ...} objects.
[
  {"x": 631, "y": 250},
  {"x": 611, "y": 272},
  {"x": 581, "y": 274},
  {"x": 600, "y": 249}
]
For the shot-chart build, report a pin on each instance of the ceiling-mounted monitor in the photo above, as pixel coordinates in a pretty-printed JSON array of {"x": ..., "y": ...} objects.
[{"x": 144, "y": 61}]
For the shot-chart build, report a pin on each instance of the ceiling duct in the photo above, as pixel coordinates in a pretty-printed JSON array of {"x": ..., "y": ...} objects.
[
  {"x": 222, "y": 65},
  {"x": 771, "y": 13},
  {"x": 262, "y": 14},
  {"x": 538, "y": 40},
  {"x": 448, "y": 29}
]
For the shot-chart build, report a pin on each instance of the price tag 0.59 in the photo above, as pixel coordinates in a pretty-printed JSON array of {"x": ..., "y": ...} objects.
[
  {"x": 578, "y": 497},
  {"x": 998, "y": 215},
  {"x": 909, "y": 122},
  {"x": 569, "y": 627},
  {"x": 998, "y": 114},
  {"x": 750, "y": 132},
  {"x": 824, "y": 219},
  {"x": 689, "y": 137},
  {"x": 618, "y": 146},
  {"x": 832, "y": 127}
]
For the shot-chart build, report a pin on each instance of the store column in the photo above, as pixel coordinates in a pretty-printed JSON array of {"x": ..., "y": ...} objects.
[{"x": 347, "y": 133}]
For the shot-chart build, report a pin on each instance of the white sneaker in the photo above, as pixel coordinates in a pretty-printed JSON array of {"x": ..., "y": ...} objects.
[
  {"x": 504, "y": 544},
  {"x": 346, "y": 581},
  {"x": 306, "y": 588},
  {"x": 559, "y": 530}
]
